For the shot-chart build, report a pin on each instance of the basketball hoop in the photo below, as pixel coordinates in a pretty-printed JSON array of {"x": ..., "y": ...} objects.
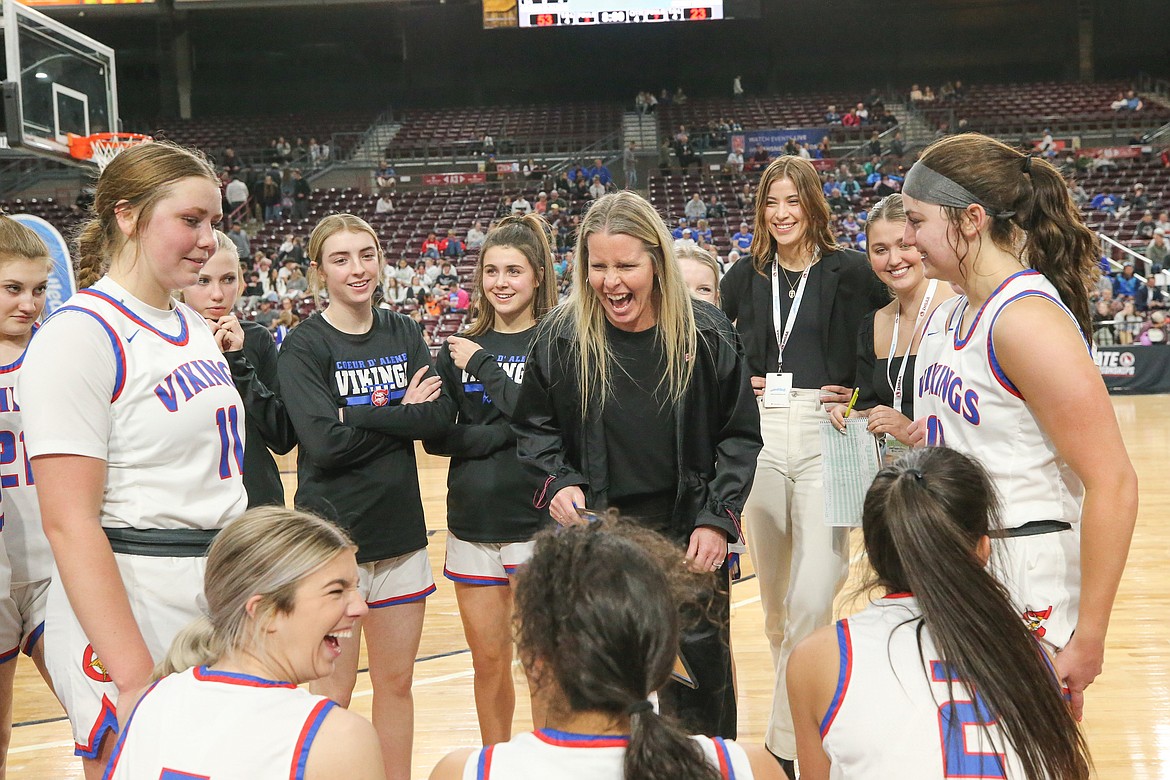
[{"x": 103, "y": 147}]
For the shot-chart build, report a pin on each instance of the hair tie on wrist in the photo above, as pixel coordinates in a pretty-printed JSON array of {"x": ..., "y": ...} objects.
[
  {"x": 914, "y": 473},
  {"x": 1027, "y": 165},
  {"x": 639, "y": 706}
]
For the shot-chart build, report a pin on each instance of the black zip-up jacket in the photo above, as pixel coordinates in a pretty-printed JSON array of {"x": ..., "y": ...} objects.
[
  {"x": 489, "y": 491},
  {"x": 717, "y": 427},
  {"x": 849, "y": 291},
  {"x": 266, "y": 423}
]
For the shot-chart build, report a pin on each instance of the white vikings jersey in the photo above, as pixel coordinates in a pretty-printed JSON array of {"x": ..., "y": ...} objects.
[
  {"x": 971, "y": 406},
  {"x": 149, "y": 392},
  {"x": 546, "y": 753},
  {"x": 203, "y": 723},
  {"x": 892, "y": 714},
  {"x": 28, "y": 549}
]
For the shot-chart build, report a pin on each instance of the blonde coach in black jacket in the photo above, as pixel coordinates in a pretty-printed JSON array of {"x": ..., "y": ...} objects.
[{"x": 637, "y": 398}]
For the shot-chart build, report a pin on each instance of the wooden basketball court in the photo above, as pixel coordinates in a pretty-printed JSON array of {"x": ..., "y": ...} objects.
[{"x": 1127, "y": 710}]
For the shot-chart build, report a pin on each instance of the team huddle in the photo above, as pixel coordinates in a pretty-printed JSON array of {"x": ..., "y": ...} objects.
[{"x": 610, "y": 456}]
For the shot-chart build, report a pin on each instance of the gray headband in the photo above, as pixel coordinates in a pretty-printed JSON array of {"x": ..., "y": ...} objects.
[{"x": 930, "y": 186}]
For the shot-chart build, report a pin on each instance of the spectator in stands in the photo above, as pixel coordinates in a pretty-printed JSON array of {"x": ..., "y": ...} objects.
[
  {"x": 851, "y": 189},
  {"x": 745, "y": 198},
  {"x": 403, "y": 272},
  {"x": 832, "y": 116},
  {"x": 521, "y": 205},
  {"x": 680, "y": 97},
  {"x": 742, "y": 239},
  {"x": 630, "y": 165},
  {"x": 850, "y": 224},
  {"x": 430, "y": 246},
  {"x": 1158, "y": 251},
  {"x": 236, "y": 193},
  {"x": 1127, "y": 324},
  {"x": 447, "y": 276},
  {"x": 580, "y": 187},
  {"x": 862, "y": 113},
  {"x": 1163, "y": 222},
  {"x": 556, "y": 201},
  {"x": 1140, "y": 200},
  {"x": 283, "y": 150},
  {"x": 1125, "y": 284},
  {"x": 687, "y": 156},
  {"x": 695, "y": 207},
  {"x": 838, "y": 202},
  {"x": 596, "y": 188},
  {"x": 252, "y": 287},
  {"x": 679, "y": 228},
  {"x": 715, "y": 208},
  {"x": 1104, "y": 201},
  {"x": 928, "y": 95},
  {"x": 418, "y": 290},
  {"x": 297, "y": 284},
  {"x": 874, "y": 147},
  {"x": 1077, "y": 192},
  {"x": 1133, "y": 102},
  {"x": 451, "y": 246},
  {"x": 600, "y": 171},
  {"x": 230, "y": 161},
  {"x": 239, "y": 237},
  {"x": 314, "y": 152},
  {"x": 687, "y": 238},
  {"x": 851, "y": 119},
  {"x": 1155, "y": 331},
  {"x": 385, "y": 176},
  {"x": 641, "y": 104},
  {"x": 1144, "y": 230},
  {"x": 737, "y": 87},
  {"x": 385, "y": 204},
  {"x": 429, "y": 270},
  {"x": 1118, "y": 103},
  {"x": 326, "y": 153},
  {"x": 915, "y": 93},
  {"x": 270, "y": 199},
  {"x": 898, "y": 145},
  {"x": 824, "y": 148},
  {"x": 735, "y": 162},
  {"x": 541, "y": 205},
  {"x": 1103, "y": 335},
  {"x": 760, "y": 158},
  {"x": 267, "y": 313},
  {"x": 476, "y": 235},
  {"x": 291, "y": 249},
  {"x": 487, "y": 145},
  {"x": 301, "y": 191},
  {"x": 1150, "y": 296},
  {"x": 702, "y": 232}
]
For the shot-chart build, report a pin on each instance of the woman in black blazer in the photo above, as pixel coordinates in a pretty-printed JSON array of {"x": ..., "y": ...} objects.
[{"x": 797, "y": 303}]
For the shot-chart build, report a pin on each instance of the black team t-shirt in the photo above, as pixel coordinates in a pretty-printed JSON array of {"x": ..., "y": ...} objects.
[{"x": 639, "y": 425}]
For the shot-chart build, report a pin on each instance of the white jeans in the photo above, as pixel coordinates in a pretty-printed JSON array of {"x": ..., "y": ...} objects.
[{"x": 801, "y": 562}]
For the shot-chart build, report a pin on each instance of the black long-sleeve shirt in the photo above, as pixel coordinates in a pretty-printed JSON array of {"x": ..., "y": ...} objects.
[
  {"x": 489, "y": 490},
  {"x": 361, "y": 473},
  {"x": 266, "y": 421}
]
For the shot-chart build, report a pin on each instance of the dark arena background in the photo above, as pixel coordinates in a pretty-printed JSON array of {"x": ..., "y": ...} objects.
[{"x": 438, "y": 116}]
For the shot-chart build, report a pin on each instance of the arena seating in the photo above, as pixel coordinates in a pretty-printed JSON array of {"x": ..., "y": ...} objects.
[
  {"x": 553, "y": 128},
  {"x": 1030, "y": 108},
  {"x": 767, "y": 112},
  {"x": 250, "y": 136}
]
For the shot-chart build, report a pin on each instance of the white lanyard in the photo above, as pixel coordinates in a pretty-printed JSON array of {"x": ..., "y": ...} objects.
[
  {"x": 897, "y": 386},
  {"x": 778, "y": 313}
]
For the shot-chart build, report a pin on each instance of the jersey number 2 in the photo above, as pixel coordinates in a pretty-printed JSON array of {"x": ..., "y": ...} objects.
[
  {"x": 8, "y": 456},
  {"x": 953, "y": 719},
  {"x": 227, "y": 420}
]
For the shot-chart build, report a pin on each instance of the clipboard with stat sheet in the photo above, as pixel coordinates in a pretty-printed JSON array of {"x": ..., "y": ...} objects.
[
  {"x": 850, "y": 462},
  {"x": 682, "y": 672}
]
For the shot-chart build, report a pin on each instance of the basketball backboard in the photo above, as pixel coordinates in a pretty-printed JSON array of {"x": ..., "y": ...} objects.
[{"x": 56, "y": 81}]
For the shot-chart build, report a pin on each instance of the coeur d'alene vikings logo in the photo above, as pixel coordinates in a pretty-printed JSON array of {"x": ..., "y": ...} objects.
[
  {"x": 380, "y": 397},
  {"x": 1034, "y": 619},
  {"x": 92, "y": 666}
]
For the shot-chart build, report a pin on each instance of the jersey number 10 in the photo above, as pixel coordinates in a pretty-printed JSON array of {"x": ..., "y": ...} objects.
[{"x": 227, "y": 420}]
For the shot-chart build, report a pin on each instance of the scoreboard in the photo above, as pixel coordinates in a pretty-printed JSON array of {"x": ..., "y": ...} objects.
[{"x": 570, "y": 13}]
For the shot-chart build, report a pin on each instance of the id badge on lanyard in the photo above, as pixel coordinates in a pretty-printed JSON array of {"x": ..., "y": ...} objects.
[{"x": 778, "y": 384}]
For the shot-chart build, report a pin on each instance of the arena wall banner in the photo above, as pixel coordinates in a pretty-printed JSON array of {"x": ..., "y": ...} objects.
[
  {"x": 61, "y": 279},
  {"x": 774, "y": 140},
  {"x": 1135, "y": 370}
]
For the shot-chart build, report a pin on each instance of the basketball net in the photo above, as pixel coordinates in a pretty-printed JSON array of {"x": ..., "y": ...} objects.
[{"x": 103, "y": 147}]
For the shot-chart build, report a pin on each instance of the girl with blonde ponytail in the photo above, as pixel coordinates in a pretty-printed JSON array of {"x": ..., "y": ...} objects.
[
  {"x": 281, "y": 591},
  {"x": 1004, "y": 373},
  {"x": 135, "y": 432},
  {"x": 938, "y": 677},
  {"x": 597, "y": 627}
]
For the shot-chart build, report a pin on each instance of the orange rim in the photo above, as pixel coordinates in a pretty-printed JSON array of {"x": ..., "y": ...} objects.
[{"x": 81, "y": 146}]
